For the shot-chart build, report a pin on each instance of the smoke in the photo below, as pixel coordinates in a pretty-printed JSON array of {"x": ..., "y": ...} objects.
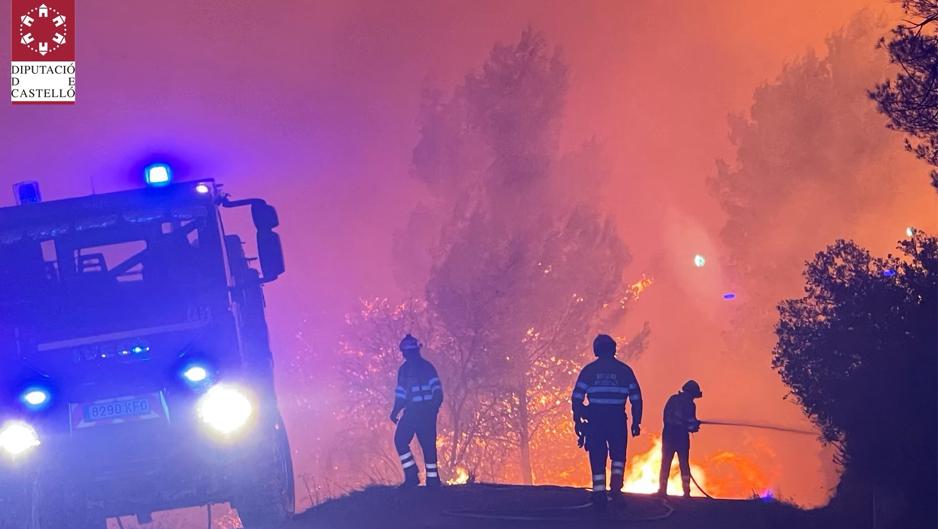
[
  {"x": 313, "y": 105},
  {"x": 814, "y": 162}
]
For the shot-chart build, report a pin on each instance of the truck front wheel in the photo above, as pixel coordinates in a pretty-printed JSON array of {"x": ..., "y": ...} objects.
[{"x": 267, "y": 496}]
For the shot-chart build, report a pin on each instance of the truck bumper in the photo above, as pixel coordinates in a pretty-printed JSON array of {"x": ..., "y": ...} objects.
[{"x": 138, "y": 467}]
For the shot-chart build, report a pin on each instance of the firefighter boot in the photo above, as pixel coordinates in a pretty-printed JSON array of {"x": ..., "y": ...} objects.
[
  {"x": 411, "y": 478},
  {"x": 616, "y": 482},
  {"x": 599, "y": 501},
  {"x": 411, "y": 473},
  {"x": 433, "y": 475}
]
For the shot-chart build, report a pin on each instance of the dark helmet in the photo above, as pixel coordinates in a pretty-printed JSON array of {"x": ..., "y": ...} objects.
[
  {"x": 692, "y": 388},
  {"x": 604, "y": 345},
  {"x": 409, "y": 345}
]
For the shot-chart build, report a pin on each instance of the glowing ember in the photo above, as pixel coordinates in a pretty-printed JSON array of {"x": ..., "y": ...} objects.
[
  {"x": 639, "y": 286},
  {"x": 642, "y": 473},
  {"x": 461, "y": 478}
]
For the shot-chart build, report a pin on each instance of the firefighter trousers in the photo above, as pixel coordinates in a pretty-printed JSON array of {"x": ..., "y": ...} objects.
[
  {"x": 607, "y": 439},
  {"x": 422, "y": 424},
  {"x": 670, "y": 445}
]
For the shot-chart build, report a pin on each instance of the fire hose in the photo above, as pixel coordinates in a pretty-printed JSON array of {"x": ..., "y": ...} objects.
[
  {"x": 747, "y": 425},
  {"x": 548, "y": 514},
  {"x": 701, "y": 489},
  {"x": 582, "y": 433},
  {"x": 759, "y": 426}
]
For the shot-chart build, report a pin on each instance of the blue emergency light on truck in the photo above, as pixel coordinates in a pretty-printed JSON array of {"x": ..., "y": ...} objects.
[{"x": 135, "y": 367}]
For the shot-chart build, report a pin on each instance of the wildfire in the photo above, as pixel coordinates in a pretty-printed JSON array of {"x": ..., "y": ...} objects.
[
  {"x": 642, "y": 473},
  {"x": 735, "y": 476},
  {"x": 727, "y": 475}
]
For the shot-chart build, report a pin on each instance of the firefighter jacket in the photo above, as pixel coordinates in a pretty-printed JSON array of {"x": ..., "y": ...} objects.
[
  {"x": 680, "y": 415},
  {"x": 607, "y": 383},
  {"x": 418, "y": 386}
]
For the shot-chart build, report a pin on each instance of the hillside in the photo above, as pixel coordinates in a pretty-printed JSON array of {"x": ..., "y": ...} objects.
[{"x": 496, "y": 507}]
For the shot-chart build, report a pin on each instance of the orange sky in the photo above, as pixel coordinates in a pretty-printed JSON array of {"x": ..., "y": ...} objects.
[{"x": 313, "y": 105}]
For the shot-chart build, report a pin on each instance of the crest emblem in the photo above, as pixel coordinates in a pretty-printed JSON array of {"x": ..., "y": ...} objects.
[{"x": 43, "y": 29}]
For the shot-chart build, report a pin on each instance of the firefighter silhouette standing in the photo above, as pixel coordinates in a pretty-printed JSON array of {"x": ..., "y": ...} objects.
[
  {"x": 419, "y": 395},
  {"x": 601, "y": 426},
  {"x": 680, "y": 420}
]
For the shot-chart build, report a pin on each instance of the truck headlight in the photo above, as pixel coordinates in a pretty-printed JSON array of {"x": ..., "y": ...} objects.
[
  {"x": 35, "y": 398},
  {"x": 195, "y": 374},
  {"x": 225, "y": 408},
  {"x": 17, "y": 437}
]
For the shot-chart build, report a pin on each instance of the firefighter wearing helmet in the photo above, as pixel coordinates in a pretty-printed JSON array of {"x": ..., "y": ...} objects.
[
  {"x": 680, "y": 420},
  {"x": 419, "y": 395},
  {"x": 606, "y": 383}
]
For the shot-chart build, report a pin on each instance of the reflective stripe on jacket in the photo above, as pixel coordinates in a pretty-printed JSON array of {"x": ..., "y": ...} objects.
[
  {"x": 418, "y": 383},
  {"x": 607, "y": 383}
]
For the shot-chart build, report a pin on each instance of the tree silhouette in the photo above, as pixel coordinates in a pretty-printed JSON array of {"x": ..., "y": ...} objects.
[
  {"x": 525, "y": 267},
  {"x": 812, "y": 146},
  {"x": 368, "y": 361},
  {"x": 911, "y": 99},
  {"x": 859, "y": 353},
  {"x": 524, "y": 304},
  {"x": 510, "y": 255},
  {"x": 472, "y": 438}
]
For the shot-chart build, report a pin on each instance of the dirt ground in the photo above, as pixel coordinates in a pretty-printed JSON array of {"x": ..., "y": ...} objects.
[{"x": 501, "y": 507}]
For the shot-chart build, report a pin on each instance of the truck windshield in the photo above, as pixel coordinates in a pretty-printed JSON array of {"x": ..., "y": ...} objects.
[{"x": 104, "y": 274}]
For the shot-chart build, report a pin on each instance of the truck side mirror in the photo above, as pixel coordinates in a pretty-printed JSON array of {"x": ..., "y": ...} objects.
[
  {"x": 270, "y": 253},
  {"x": 264, "y": 216}
]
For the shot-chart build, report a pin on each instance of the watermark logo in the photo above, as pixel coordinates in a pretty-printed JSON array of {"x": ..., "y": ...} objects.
[{"x": 42, "y": 69}]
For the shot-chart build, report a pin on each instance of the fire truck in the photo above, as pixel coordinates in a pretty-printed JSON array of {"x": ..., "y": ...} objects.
[{"x": 136, "y": 373}]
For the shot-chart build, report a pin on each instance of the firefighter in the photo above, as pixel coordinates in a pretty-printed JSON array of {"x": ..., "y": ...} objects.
[
  {"x": 419, "y": 395},
  {"x": 606, "y": 383},
  {"x": 680, "y": 420}
]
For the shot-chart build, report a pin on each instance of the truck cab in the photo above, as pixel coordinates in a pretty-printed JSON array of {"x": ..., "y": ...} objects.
[{"x": 135, "y": 368}]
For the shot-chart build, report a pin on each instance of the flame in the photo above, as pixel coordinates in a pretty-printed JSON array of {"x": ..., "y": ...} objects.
[
  {"x": 636, "y": 288},
  {"x": 461, "y": 478},
  {"x": 724, "y": 474},
  {"x": 735, "y": 476},
  {"x": 642, "y": 473}
]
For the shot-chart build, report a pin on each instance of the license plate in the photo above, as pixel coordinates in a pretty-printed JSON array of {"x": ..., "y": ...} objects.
[
  {"x": 118, "y": 410},
  {"x": 113, "y": 410}
]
